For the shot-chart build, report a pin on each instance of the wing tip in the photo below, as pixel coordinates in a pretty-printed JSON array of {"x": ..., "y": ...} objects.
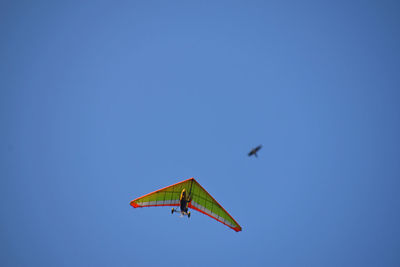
[
  {"x": 134, "y": 204},
  {"x": 237, "y": 229}
]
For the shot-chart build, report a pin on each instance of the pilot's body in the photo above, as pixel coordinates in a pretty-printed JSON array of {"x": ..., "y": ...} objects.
[{"x": 184, "y": 200}]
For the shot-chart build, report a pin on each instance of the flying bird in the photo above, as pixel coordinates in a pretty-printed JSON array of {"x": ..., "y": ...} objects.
[{"x": 254, "y": 151}]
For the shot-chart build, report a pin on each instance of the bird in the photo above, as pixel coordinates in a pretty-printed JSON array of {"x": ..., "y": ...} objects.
[{"x": 254, "y": 151}]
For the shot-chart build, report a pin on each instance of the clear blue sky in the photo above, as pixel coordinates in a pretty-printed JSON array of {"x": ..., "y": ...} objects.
[{"x": 104, "y": 101}]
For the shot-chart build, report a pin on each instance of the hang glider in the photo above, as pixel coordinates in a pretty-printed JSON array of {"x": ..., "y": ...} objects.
[
  {"x": 195, "y": 197},
  {"x": 254, "y": 151}
]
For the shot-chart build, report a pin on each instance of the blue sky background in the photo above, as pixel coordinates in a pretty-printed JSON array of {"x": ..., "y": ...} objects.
[{"x": 104, "y": 101}]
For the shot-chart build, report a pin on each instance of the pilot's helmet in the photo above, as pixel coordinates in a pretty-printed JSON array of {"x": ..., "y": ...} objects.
[{"x": 183, "y": 194}]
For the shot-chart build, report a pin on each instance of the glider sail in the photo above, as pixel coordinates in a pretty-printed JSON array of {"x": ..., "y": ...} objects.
[{"x": 201, "y": 201}]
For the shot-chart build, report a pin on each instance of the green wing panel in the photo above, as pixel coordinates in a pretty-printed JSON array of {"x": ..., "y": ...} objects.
[
  {"x": 168, "y": 196},
  {"x": 203, "y": 202}
]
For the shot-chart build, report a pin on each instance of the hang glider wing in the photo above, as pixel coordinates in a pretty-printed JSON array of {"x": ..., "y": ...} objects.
[
  {"x": 167, "y": 196},
  {"x": 201, "y": 201}
]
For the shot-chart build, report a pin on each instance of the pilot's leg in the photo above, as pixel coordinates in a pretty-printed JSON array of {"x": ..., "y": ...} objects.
[{"x": 183, "y": 206}]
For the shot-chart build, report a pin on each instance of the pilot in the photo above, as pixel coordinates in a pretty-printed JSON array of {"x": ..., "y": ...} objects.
[{"x": 184, "y": 200}]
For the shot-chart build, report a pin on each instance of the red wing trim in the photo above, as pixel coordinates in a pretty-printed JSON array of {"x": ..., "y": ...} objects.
[
  {"x": 158, "y": 205},
  {"x": 237, "y": 229}
]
